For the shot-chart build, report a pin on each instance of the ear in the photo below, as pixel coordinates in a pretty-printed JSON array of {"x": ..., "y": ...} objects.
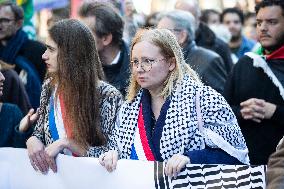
[
  {"x": 19, "y": 24},
  {"x": 183, "y": 36},
  {"x": 107, "y": 39},
  {"x": 172, "y": 65}
]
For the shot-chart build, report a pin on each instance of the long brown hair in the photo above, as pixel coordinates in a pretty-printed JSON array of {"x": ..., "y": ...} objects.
[{"x": 77, "y": 79}]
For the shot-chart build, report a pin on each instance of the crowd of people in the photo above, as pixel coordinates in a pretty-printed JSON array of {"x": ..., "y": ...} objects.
[{"x": 192, "y": 87}]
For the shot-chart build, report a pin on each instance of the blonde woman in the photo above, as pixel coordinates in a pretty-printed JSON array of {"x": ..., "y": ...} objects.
[{"x": 170, "y": 115}]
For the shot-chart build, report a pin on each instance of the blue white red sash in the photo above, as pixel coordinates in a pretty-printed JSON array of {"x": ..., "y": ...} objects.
[
  {"x": 56, "y": 121},
  {"x": 140, "y": 149}
]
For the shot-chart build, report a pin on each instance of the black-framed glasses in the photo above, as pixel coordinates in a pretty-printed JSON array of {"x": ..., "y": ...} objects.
[
  {"x": 146, "y": 64},
  {"x": 5, "y": 21}
]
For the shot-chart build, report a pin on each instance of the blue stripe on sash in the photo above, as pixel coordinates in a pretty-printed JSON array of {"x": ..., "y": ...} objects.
[
  {"x": 52, "y": 124},
  {"x": 133, "y": 154}
]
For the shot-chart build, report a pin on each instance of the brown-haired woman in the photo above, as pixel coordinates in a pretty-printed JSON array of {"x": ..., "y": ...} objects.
[{"x": 77, "y": 110}]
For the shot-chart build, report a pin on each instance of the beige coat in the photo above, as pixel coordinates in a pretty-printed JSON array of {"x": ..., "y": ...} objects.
[{"x": 275, "y": 170}]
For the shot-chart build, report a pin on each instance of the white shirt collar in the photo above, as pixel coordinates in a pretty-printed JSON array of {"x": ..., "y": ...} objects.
[{"x": 115, "y": 60}]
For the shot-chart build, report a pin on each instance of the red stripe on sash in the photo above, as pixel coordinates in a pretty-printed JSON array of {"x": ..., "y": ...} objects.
[
  {"x": 67, "y": 123},
  {"x": 147, "y": 150}
]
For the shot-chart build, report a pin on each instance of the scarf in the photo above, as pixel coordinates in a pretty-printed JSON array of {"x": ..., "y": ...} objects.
[
  {"x": 272, "y": 65},
  {"x": 146, "y": 144},
  {"x": 59, "y": 125},
  {"x": 11, "y": 50},
  {"x": 277, "y": 54},
  {"x": 180, "y": 131},
  {"x": 140, "y": 149}
]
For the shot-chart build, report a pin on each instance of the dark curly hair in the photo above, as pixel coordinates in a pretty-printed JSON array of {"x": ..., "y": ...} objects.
[
  {"x": 234, "y": 11},
  {"x": 268, "y": 3}
]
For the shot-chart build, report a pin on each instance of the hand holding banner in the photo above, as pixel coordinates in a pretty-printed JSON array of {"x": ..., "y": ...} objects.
[{"x": 16, "y": 172}]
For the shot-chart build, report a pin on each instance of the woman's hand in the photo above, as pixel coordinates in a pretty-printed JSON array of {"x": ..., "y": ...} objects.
[
  {"x": 175, "y": 164},
  {"x": 109, "y": 160},
  {"x": 53, "y": 150},
  {"x": 28, "y": 120},
  {"x": 37, "y": 155}
]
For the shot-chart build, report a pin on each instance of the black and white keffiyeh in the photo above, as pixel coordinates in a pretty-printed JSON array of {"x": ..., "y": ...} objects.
[{"x": 181, "y": 133}]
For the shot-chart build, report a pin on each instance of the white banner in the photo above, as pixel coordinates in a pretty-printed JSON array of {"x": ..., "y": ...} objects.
[{"x": 82, "y": 172}]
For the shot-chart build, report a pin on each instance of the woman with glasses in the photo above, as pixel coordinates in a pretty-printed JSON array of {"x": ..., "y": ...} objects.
[
  {"x": 77, "y": 110},
  {"x": 170, "y": 115}
]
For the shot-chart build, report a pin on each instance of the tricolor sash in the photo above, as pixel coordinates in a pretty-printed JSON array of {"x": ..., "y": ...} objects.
[
  {"x": 58, "y": 124},
  {"x": 140, "y": 149}
]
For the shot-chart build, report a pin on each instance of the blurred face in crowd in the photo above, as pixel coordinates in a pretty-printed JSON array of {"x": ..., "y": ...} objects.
[
  {"x": 250, "y": 28},
  {"x": 234, "y": 24},
  {"x": 213, "y": 19},
  {"x": 166, "y": 23},
  {"x": 129, "y": 8},
  {"x": 270, "y": 27},
  {"x": 90, "y": 21},
  {"x": 8, "y": 25},
  {"x": 50, "y": 56},
  {"x": 188, "y": 6},
  {"x": 251, "y": 21},
  {"x": 149, "y": 66}
]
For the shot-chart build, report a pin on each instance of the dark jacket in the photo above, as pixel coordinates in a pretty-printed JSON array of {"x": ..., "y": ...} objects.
[
  {"x": 209, "y": 66},
  {"x": 14, "y": 91},
  {"x": 275, "y": 169},
  {"x": 206, "y": 38},
  {"x": 10, "y": 117},
  {"x": 247, "y": 81},
  {"x": 33, "y": 51},
  {"x": 26, "y": 54},
  {"x": 20, "y": 45},
  {"x": 118, "y": 74}
]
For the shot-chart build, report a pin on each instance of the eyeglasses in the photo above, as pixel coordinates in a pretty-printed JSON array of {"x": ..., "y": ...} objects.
[
  {"x": 145, "y": 64},
  {"x": 6, "y": 21},
  {"x": 175, "y": 30}
]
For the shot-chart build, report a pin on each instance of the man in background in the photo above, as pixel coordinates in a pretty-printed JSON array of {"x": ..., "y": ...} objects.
[
  {"x": 107, "y": 27},
  {"x": 209, "y": 65},
  {"x": 233, "y": 18},
  {"x": 204, "y": 36},
  {"x": 255, "y": 87},
  {"x": 16, "y": 49}
]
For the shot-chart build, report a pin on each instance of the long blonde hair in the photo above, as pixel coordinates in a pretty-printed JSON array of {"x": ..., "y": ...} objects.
[{"x": 170, "y": 48}]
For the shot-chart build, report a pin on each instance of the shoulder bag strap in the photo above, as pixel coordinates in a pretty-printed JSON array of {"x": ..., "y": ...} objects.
[{"x": 198, "y": 110}]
